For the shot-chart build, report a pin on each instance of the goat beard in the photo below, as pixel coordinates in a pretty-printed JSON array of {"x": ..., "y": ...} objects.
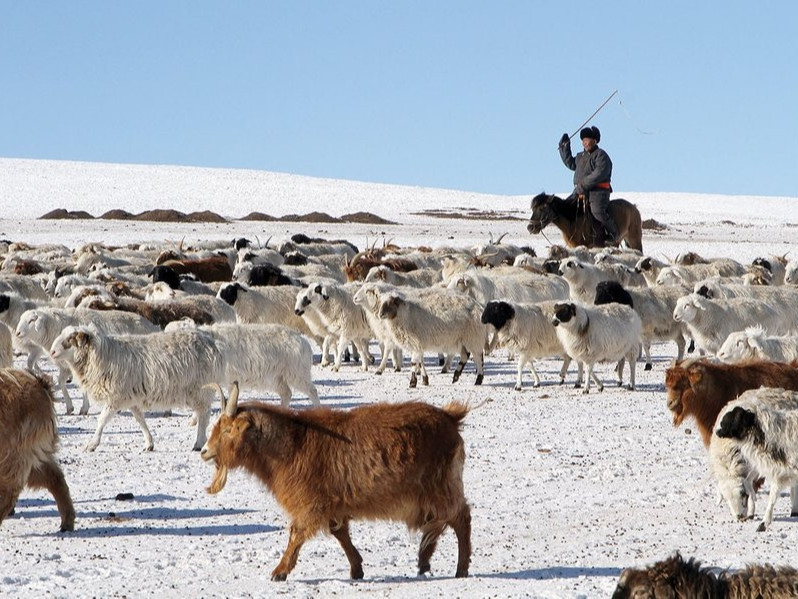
[{"x": 219, "y": 480}]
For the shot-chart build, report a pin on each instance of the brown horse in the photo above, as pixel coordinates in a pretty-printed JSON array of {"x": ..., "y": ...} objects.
[{"x": 577, "y": 224}]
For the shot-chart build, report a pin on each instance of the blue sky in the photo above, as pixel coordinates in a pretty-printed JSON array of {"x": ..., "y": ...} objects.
[{"x": 456, "y": 94}]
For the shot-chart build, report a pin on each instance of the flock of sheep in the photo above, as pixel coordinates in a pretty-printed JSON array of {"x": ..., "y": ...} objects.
[{"x": 151, "y": 328}]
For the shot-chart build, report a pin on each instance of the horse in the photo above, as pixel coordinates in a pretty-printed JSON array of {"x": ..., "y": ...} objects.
[{"x": 576, "y": 223}]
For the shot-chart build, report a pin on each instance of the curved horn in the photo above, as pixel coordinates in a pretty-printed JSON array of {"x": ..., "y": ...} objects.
[
  {"x": 502, "y": 236},
  {"x": 490, "y": 237},
  {"x": 267, "y": 242},
  {"x": 180, "y": 247},
  {"x": 232, "y": 403},
  {"x": 258, "y": 240}
]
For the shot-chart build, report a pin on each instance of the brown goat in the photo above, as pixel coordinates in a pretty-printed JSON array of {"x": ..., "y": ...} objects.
[
  {"x": 363, "y": 262},
  {"x": 158, "y": 313},
  {"x": 702, "y": 388},
  {"x": 27, "y": 268},
  {"x": 28, "y": 443},
  {"x": 207, "y": 270},
  {"x": 326, "y": 467},
  {"x": 674, "y": 578}
]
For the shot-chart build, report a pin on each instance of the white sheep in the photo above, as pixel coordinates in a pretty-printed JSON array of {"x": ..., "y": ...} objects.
[
  {"x": 525, "y": 330},
  {"x": 342, "y": 318},
  {"x": 649, "y": 267},
  {"x": 22, "y": 285},
  {"x": 592, "y": 334},
  {"x": 710, "y": 322},
  {"x": 655, "y": 306},
  {"x": 435, "y": 320},
  {"x": 368, "y": 298},
  {"x": 143, "y": 372},
  {"x": 763, "y": 423},
  {"x": 266, "y": 305},
  {"x": 582, "y": 279},
  {"x": 38, "y": 328},
  {"x": 754, "y": 344}
]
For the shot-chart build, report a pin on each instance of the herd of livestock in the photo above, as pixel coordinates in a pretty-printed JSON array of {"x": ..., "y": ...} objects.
[{"x": 153, "y": 328}]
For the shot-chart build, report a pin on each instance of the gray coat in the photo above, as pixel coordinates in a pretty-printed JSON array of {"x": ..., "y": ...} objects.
[{"x": 589, "y": 169}]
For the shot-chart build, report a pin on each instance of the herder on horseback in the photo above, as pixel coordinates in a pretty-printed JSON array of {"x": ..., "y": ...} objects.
[{"x": 592, "y": 173}]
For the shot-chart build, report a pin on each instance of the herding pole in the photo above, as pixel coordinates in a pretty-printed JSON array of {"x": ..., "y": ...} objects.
[{"x": 579, "y": 128}]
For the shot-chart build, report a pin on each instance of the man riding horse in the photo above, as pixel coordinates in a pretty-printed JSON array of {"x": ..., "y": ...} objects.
[{"x": 592, "y": 173}]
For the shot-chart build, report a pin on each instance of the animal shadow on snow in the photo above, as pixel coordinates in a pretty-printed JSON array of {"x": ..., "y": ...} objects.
[{"x": 554, "y": 573}]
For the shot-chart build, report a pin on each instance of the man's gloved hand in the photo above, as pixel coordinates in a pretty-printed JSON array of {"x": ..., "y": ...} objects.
[{"x": 565, "y": 139}]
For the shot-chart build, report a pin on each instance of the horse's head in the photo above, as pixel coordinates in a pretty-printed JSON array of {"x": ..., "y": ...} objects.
[{"x": 542, "y": 213}]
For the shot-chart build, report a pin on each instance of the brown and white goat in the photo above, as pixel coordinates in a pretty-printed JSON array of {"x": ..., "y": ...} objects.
[
  {"x": 674, "y": 577},
  {"x": 702, "y": 388},
  {"x": 28, "y": 443},
  {"x": 326, "y": 467}
]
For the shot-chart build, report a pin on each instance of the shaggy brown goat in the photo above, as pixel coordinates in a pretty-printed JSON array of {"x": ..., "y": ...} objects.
[
  {"x": 326, "y": 467},
  {"x": 674, "y": 578},
  {"x": 27, "y": 268},
  {"x": 701, "y": 388},
  {"x": 28, "y": 443},
  {"x": 207, "y": 270},
  {"x": 363, "y": 262}
]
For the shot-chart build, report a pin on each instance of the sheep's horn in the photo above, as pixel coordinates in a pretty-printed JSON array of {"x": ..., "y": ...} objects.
[{"x": 232, "y": 403}]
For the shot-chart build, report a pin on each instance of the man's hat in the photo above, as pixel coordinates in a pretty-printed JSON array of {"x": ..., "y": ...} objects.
[{"x": 591, "y": 132}]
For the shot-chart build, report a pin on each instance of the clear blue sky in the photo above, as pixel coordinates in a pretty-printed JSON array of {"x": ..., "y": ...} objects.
[{"x": 469, "y": 95}]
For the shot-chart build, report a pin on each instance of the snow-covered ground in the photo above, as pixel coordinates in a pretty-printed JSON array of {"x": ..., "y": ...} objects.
[{"x": 566, "y": 490}]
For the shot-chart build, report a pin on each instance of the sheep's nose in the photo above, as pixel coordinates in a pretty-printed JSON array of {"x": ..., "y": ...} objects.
[{"x": 299, "y": 312}]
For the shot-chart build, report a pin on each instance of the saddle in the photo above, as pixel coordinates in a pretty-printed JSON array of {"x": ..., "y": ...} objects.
[{"x": 600, "y": 234}]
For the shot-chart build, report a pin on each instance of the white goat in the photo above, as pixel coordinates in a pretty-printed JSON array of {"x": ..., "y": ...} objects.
[
  {"x": 143, "y": 372},
  {"x": 525, "y": 330},
  {"x": 264, "y": 357},
  {"x": 592, "y": 334},
  {"x": 38, "y": 328},
  {"x": 710, "y": 322},
  {"x": 763, "y": 423},
  {"x": 689, "y": 275},
  {"x": 520, "y": 286}
]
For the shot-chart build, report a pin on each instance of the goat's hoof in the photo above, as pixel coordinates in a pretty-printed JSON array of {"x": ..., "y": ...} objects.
[
  {"x": 378, "y": 372},
  {"x": 518, "y": 387},
  {"x": 793, "y": 514},
  {"x": 147, "y": 448},
  {"x": 456, "y": 377},
  {"x": 630, "y": 387},
  {"x": 600, "y": 388},
  {"x": 479, "y": 379},
  {"x": 413, "y": 382},
  {"x": 647, "y": 367},
  {"x": 425, "y": 380},
  {"x": 577, "y": 385},
  {"x": 67, "y": 527},
  {"x": 90, "y": 447},
  {"x": 69, "y": 411},
  {"x": 761, "y": 527},
  {"x": 441, "y": 361}
]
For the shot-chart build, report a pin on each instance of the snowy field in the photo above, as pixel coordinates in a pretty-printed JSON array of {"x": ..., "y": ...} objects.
[{"x": 566, "y": 490}]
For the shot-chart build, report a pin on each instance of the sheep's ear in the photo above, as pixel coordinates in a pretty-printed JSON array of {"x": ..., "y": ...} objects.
[
  {"x": 81, "y": 339},
  {"x": 232, "y": 404},
  {"x": 37, "y": 324}
]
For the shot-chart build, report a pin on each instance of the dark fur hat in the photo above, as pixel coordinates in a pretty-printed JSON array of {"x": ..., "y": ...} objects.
[{"x": 591, "y": 132}]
